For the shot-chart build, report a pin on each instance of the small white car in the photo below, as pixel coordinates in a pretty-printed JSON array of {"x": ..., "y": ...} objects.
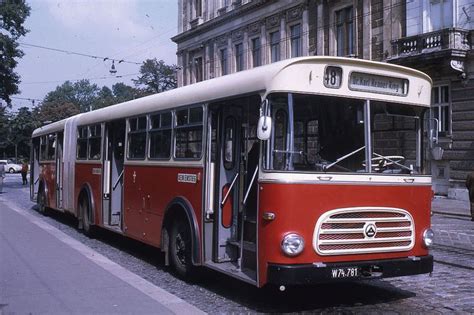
[{"x": 11, "y": 167}]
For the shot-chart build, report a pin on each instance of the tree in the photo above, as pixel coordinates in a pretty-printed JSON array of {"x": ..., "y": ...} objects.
[
  {"x": 123, "y": 92},
  {"x": 156, "y": 76},
  {"x": 13, "y": 14},
  {"x": 54, "y": 111},
  {"x": 82, "y": 94},
  {"x": 21, "y": 127}
]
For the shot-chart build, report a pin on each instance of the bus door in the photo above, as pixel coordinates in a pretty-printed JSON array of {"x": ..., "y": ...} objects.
[
  {"x": 59, "y": 170},
  {"x": 113, "y": 164},
  {"x": 34, "y": 169},
  {"x": 236, "y": 169},
  {"x": 228, "y": 185}
]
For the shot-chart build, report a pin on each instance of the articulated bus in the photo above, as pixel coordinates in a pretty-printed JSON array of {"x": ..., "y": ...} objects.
[{"x": 303, "y": 171}]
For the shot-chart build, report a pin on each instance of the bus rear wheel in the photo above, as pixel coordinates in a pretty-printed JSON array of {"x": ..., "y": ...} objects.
[
  {"x": 85, "y": 211},
  {"x": 180, "y": 249},
  {"x": 41, "y": 201}
]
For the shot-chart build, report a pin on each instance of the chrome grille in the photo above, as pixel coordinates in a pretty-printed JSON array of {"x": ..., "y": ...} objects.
[{"x": 363, "y": 230}]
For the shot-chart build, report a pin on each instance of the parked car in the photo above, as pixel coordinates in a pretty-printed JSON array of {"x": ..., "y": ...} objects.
[{"x": 10, "y": 166}]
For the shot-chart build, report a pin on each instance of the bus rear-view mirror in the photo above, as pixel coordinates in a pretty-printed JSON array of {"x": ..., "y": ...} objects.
[{"x": 264, "y": 128}]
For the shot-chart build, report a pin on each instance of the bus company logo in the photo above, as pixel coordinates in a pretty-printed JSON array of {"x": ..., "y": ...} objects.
[
  {"x": 187, "y": 178},
  {"x": 370, "y": 229}
]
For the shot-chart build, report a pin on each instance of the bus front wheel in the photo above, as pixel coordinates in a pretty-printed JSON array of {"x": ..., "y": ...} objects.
[{"x": 180, "y": 248}]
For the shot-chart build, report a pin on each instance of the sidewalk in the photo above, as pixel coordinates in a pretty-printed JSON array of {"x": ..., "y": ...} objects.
[
  {"x": 44, "y": 271},
  {"x": 451, "y": 222}
]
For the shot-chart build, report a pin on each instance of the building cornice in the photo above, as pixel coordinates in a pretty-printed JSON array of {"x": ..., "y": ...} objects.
[{"x": 221, "y": 19}]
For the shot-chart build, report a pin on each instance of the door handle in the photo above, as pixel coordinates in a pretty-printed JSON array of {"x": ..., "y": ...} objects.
[{"x": 230, "y": 189}]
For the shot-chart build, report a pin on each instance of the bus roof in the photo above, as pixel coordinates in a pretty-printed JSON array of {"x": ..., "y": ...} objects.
[{"x": 297, "y": 75}]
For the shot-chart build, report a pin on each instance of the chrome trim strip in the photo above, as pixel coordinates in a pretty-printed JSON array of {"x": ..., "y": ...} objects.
[
  {"x": 326, "y": 218},
  {"x": 335, "y": 178},
  {"x": 359, "y": 220},
  {"x": 365, "y": 241},
  {"x": 355, "y": 231}
]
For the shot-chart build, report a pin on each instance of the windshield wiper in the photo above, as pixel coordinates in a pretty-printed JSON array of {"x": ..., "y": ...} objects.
[
  {"x": 393, "y": 161},
  {"x": 325, "y": 167}
]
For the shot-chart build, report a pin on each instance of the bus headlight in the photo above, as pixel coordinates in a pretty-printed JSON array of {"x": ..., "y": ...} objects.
[
  {"x": 428, "y": 238},
  {"x": 292, "y": 244}
]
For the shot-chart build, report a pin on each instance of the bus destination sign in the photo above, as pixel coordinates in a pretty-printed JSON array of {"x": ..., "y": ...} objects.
[{"x": 373, "y": 83}]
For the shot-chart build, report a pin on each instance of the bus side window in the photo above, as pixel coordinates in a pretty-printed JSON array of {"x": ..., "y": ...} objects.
[
  {"x": 95, "y": 137},
  {"x": 51, "y": 147},
  {"x": 82, "y": 143},
  {"x": 137, "y": 138},
  {"x": 43, "y": 148},
  {"x": 160, "y": 136},
  {"x": 188, "y": 133}
]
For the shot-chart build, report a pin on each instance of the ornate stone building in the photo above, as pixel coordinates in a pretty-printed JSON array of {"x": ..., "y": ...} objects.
[{"x": 218, "y": 37}]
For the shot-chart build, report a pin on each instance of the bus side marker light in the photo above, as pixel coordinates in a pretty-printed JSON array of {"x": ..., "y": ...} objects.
[{"x": 269, "y": 216}]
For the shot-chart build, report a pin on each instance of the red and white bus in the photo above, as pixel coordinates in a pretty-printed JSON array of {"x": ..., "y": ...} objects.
[{"x": 303, "y": 171}]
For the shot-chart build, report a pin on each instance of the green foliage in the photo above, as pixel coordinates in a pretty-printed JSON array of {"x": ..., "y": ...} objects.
[
  {"x": 156, "y": 76},
  {"x": 16, "y": 130},
  {"x": 13, "y": 14},
  {"x": 54, "y": 111},
  {"x": 82, "y": 94}
]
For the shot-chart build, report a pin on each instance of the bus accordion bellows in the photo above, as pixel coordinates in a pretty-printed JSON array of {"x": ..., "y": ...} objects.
[{"x": 303, "y": 171}]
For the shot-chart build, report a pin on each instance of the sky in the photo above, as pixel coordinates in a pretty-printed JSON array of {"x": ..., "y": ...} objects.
[{"x": 132, "y": 30}]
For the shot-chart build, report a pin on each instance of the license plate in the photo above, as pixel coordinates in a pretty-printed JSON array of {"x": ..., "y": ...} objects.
[{"x": 345, "y": 272}]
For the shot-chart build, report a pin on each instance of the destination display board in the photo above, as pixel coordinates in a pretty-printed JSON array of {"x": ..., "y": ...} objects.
[{"x": 365, "y": 82}]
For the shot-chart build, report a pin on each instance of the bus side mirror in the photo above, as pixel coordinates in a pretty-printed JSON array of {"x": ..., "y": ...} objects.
[{"x": 264, "y": 129}]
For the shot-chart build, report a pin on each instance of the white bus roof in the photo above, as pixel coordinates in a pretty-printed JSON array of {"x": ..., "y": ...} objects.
[{"x": 297, "y": 75}]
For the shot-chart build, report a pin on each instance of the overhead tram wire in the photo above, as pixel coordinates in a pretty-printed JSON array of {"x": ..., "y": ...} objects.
[
  {"x": 79, "y": 54},
  {"x": 90, "y": 79}
]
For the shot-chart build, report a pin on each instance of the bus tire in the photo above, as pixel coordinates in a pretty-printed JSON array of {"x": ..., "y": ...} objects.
[
  {"x": 85, "y": 211},
  {"x": 41, "y": 201},
  {"x": 181, "y": 248}
]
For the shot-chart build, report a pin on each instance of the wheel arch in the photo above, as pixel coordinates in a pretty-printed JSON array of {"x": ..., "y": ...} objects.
[
  {"x": 181, "y": 207},
  {"x": 43, "y": 186},
  {"x": 86, "y": 191}
]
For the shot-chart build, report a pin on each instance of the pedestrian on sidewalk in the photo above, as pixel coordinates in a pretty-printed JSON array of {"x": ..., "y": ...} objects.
[
  {"x": 470, "y": 188},
  {"x": 2, "y": 175},
  {"x": 24, "y": 172}
]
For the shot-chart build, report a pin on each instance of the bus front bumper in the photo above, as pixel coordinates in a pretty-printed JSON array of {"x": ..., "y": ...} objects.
[{"x": 356, "y": 270}]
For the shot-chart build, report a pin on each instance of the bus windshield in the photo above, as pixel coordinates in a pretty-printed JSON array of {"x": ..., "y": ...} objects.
[{"x": 314, "y": 133}]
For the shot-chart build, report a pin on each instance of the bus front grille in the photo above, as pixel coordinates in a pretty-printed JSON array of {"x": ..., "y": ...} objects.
[{"x": 364, "y": 230}]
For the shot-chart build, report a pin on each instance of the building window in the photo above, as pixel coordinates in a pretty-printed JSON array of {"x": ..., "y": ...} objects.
[
  {"x": 296, "y": 43},
  {"x": 440, "y": 109},
  {"x": 197, "y": 8},
  {"x": 441, "y": 14},
  {"x": 198, "y": 72},
  {"x": 275, "y": 46},
  {"x": 345, "y": 32},
  {"x": 223, "y": 61},
  {"x": 256, "y": 52},
  {"x": 239, "y": 57}
]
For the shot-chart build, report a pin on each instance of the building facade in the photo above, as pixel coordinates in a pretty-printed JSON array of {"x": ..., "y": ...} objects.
[{"x": 218, "y": 37}]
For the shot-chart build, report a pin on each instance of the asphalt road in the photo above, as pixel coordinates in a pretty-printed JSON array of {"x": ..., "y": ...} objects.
[{"x": 449, "y": 289}]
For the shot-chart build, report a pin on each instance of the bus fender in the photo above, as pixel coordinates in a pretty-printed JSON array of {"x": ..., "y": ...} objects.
[
  {"x": 86, "y": 191},
  {"x": 180, "y": 204}
]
